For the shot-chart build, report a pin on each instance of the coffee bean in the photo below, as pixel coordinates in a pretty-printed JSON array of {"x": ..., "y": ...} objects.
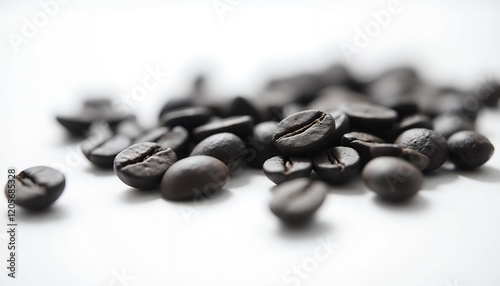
[
  {"x": 241, "y": 126},
  {"x": 334, "y": 98},
  {"x": 142, "y": 165},
  {"x": 280, "y": 169},
  {"x": 384, "y": 149},
  {"x": 244, "y": 106},
  {"x": 176, "y": 104},
  {"x": 188, "y": 118},
  {"x": 362, "y": 143},
  {"x": 226, "y": 147},
  {"x": 341, "y": 126},
  {"x": 449, "y": 124},
  {"x": 392, "y": 178},
  {"x": 261, "y": 146},
  {"x": 337, "y": 164},
  {"x": 416, "y": 158},
  {"x": 176, "y": 138},
  {"x": 304, "y": 132},
  {"x": 489, "y": 93},
  {"x": 296, "y": 201},
  {"x": 194, "y": 177},
  {"x": 369, "y": 117},
  {"x": 36, "y": 188},
  {"x": 152, "y": 135},
  {"x": 101, "y": 149},
  {"x": 428, "y": 142},
  {"x": 469, "y": 149}
]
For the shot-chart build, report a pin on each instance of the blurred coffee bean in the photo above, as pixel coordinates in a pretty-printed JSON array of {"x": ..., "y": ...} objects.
[
  {"x": 175, "y": 104},
  {"x": 469, "y": 149},
  {"x": 368, "y": 117},
  {"x": 342, "y": 126},
  {"x": 152, "y": 135},
  {"x": 243, "y": 106},
  {"x": 261, "y": 146},
  {"x": 488, "y": 93},
  {"x": 188, "y": 118},
  {"x": 334, "y": 98},
  {"x": 176, "y": 138},
  {"x": 449, "y": 124},
  {"x": 241, "y": 126},
  {"x": 280, "y": 169},
  {"x": 101, "y": 149}
]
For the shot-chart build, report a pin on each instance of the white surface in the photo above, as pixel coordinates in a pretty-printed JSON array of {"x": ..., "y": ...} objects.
[{"x": 448, "y": 235}]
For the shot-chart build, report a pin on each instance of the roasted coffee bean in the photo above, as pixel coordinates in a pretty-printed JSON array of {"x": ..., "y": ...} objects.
[
  {"x": 341, "y": 126},
  {"x": 241, "y": 126},
  {"x": 193, "y": 178},
  {"x": 226, "y": 147},
  {"x": 101, "y": 149},
  {"x": 489, "y": 93},
  {"x": 304, "y": 132},
  {"x": 369, "y": 117},
  {"x": 334, "y": 98},
  {"x": 142, "y": 165},
  {"x": 93, "y": 110},
  {"x": 362, "y": 143},
  {"x": 176, "y": 138},
  {"x": 385, "y": 149},
  {"x": 428, "y": 142},
  {"x": 469, "y": 149},
  {"x": 449, "y": 124},
  {"x": 416, "y": 158},
  {"x": 152, "y": 135},
  {"x": 243, "y": 106},
  {"x": 261, "y": 146},
  {"x": 36, "y": 188},
  {"x": 279, "y": 169},
  {"x": 303, "y": 87},
  {"x": 188, "y": 118},
  {"x": 392, "y": 178},
  {"x": 337, "y": 164},
  {"x": 296, "y": 201},
  {"x": 176, "y": 104},
  {"x": 415, "y": 121}
]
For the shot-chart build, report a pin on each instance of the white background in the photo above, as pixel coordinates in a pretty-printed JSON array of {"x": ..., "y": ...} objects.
[{"x": 447, "y": 235}]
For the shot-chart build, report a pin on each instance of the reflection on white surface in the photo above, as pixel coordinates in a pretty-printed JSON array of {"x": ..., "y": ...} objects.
[{"x": 101, "y": 232}]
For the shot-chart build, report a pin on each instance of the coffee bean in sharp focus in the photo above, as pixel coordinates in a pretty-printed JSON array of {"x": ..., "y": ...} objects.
[
  {"x": 469, "y": 149},
  {"x": 296, "y": 201},
  {"x": 101, "y": 149},
  {"x": 36, "y": 188},
  {"x": 369, "y": 117},
  {"x": 392, "y": 178},
  {"x": 260, "y": 146},
  {"x": 194, "y": 178},
  {"x": 241, "y": 126},
  {"x": 142, "y": 165},
  {"x": 279, "y": 169},
  {"x": 226, "y": 147},
  {"x": 304, "y": 132},
  {"x": 188, "y": 118},
  {"x": 337, "y": 164},
  {"x": 428, "y": 142}
]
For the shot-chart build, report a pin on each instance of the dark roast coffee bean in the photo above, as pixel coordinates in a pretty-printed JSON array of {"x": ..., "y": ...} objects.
[
  {"x": 337, "y": 164},
  {"x": 334, "y": 98},
  {"x": 430, "y": 143},
  {"x": 243, "y": 106},
  {"x": 296, "y": 201},
  {"x": 260, "y": 146},
  {"x": 194, "y": 177},
  {"x": 304, "y": 132},
  {"x": 93, "y": 110},
  {"x": 279, "y": 169},
  {"x": 176, "y": 138},
  {"x": 152, "y": 135},
  {"x": 489, "y": 93},
  {"x": 449, "y": 124},
  {"x": 142, "y": 165},
  {"x": 101, "y": 149},
  {"x": 392, "y": 178},
  {"x": 188, "y": 118},
  {"x": 416, "y": 158},
  {"x": 385, "y": 149},
  {"x": 369, "y": 117},
  {"x": 130, "y": 128},
  {"x": 341, "y": 126},
  {"x": 175, "y": 104},
  {"x": 226, "y": 147},
  {"x": 241, "y": 126},
  {"x": 469, "y": 149},
  {"x": 415, "y": 121},
  {"x": 36, "y": 188},
  {"x": 362, "y": 143}
]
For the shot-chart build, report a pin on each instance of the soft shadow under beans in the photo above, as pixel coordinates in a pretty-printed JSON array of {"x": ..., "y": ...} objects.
[
  {"x": 49, "y": 215},
  {"x": 99, "y": 172},
  {"x": 135, "y": 196},
  {"x": 413, "y": 205},
  {"x": 219, "y": 197},
  {"x": 441, "y": 176},
  {"x": 312, "y": 229},
  {"x": 353, "y": 187},
  {"x": 484, "y": 174}
]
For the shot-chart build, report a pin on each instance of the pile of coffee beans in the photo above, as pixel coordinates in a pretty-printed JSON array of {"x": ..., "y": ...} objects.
[{"x": 308, "y": 133}]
